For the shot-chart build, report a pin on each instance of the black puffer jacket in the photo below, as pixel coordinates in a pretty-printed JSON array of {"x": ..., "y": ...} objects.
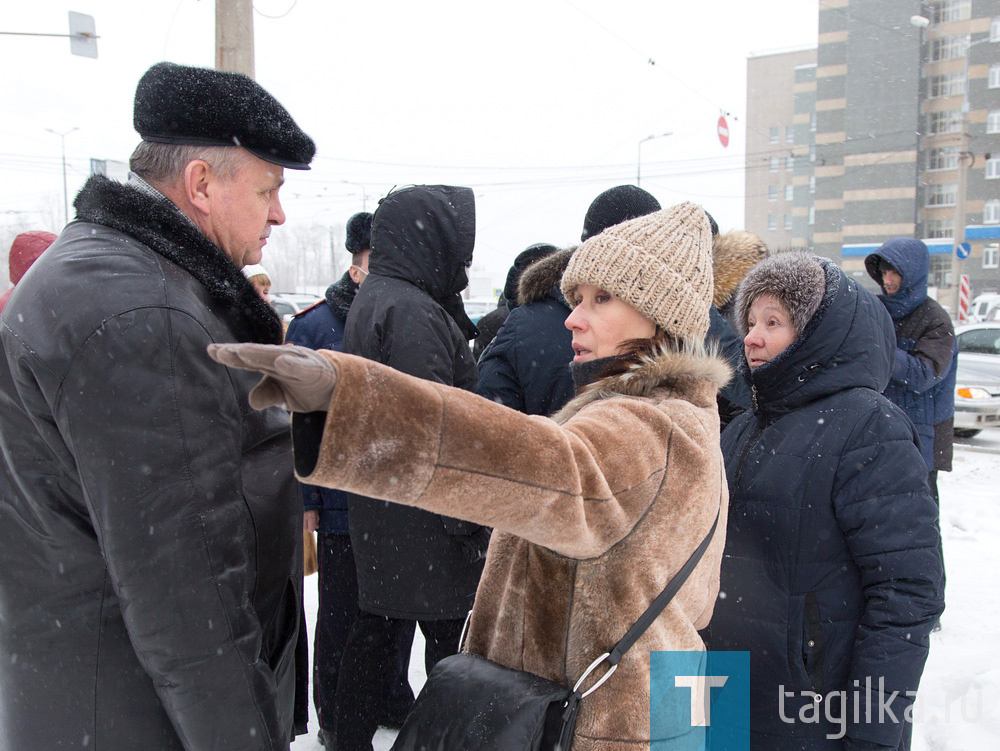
[
  {"x": 832, "y": 571},
  {"x": 150, "y": 526},
  {"x": 527, "y": 366},
  {"x": 408, "y": 314}
]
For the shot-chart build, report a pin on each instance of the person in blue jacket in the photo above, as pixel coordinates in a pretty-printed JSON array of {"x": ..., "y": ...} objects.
[
  {"x": 322, "y": 327},
  {"x": 923, "y": 372},
  {"x": 832, "y": 574}
]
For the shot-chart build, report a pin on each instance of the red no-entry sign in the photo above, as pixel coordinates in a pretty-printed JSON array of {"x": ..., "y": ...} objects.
[{"x": 723, "y": 131}]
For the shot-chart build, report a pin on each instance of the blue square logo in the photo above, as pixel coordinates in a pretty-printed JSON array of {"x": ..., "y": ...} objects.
[{"x": 699, "y": 701}]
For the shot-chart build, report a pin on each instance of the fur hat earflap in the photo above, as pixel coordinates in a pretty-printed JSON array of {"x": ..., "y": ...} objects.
[
  {"x": 795, "y": 278},
  {"x": 733, "y": 255},
  {"x": 660, "y": 264}
]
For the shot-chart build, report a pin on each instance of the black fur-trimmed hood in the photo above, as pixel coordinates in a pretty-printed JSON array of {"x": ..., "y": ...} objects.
[
  {"x": 541, "y": 279},
  {"x": 160, "y": 227}
]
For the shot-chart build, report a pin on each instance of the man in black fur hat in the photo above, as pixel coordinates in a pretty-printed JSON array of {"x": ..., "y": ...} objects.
[{"x": 150, "y": 520}]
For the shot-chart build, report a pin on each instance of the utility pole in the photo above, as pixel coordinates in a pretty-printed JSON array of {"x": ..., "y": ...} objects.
[
  {"x": 62, "y": 138},
  {"x": 234, "y": 36}
]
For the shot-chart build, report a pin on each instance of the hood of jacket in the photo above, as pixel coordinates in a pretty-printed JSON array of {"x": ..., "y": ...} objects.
[
  {"x": 159, "y": 226},
  {"x": 733, "y": 255},
  {"x": 541, "y": 279},
  {"x": 25, "y": 250},
  {"x": 340, "y": 295},
  {"x": 425, "y": 235},
  {"x": 848, "y": 343},
  {"x": 910, "y": 258}
]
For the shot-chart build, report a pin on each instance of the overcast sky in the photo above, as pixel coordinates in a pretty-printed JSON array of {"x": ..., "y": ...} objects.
[{"x": 538, "y": 105}]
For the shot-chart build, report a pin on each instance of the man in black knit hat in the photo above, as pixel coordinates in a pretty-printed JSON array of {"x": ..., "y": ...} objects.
[{"x": 150, "y": 521}]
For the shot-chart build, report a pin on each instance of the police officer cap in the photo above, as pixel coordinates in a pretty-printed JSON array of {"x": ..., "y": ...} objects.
[{"x": 203, "y": 107}]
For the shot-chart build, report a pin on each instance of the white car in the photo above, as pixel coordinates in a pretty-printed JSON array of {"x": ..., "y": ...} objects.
[
  {"x": 287, "y": 304},
  {"x": 977, "y": 386}
]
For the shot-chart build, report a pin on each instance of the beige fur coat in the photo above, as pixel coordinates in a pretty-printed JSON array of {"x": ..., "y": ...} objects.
[{"x": 594, "y": 511}]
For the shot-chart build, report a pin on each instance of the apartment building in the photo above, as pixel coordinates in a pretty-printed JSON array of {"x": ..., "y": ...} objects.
[{"x": 895, "y": 130}]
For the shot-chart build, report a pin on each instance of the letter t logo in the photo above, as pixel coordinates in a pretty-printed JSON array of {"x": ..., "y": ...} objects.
[{"x": 701, "y": 695}]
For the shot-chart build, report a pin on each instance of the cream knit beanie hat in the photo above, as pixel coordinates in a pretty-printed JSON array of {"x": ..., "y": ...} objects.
[{"x": 660, "y": 264}]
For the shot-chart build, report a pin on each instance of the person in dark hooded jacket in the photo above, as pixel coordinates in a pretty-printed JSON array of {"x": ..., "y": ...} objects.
[
  {"x": 321, "y": 326},
  {"x": 412, "y": 565},
  {"x": 490, "y": 323},
  {"x": 923, "y": 370},
  {"x": 832, "y": 572},
  {"x": 527, "y": 366}
]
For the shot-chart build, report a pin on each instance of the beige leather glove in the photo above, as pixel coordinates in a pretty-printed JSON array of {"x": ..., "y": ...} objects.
[{"x": 295, "y": 377}]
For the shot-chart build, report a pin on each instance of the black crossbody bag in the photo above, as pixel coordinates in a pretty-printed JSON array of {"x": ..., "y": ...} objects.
[{"x": 469, "y": 702}]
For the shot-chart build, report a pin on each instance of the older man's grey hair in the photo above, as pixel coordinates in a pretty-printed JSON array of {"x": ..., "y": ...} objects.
[{"x": 162, "y": 163}]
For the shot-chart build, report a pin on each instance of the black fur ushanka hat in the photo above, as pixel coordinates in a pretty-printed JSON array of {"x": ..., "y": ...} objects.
[{"x": 203, "y": 107}]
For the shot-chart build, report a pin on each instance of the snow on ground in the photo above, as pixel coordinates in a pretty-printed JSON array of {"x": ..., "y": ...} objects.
[{"x": 958, "y": 707}]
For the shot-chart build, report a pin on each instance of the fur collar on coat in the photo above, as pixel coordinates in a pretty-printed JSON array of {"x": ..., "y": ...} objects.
[
  {"x": 159, "y": 226},
  {"x": 541, "y": 279}
]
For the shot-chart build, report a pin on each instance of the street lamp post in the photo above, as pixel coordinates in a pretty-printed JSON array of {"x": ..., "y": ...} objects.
[
  {"x": 62, "y": 138},
  {"x": 638, "y": 158}
]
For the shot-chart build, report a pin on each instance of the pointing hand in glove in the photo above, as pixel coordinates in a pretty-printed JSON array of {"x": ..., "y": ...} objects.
[{"x": 298, "y": 378}]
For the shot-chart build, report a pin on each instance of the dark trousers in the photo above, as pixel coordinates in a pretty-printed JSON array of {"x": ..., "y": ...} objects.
[
  {"x": 368, "y": 661},
  {"x": 338, "y": 607}
]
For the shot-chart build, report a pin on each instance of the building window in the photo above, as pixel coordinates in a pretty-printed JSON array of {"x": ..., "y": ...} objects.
[
  {"x": 772, "y": 221},
  {"x": 949, "y": 48},
  {"x": 991, "y": 256},
  {"x": 995, "y": 30},
  {"x": 790, "y": 133},
  {"x": 812, "y": 215},
  {"x": 789, "y": 163},
  {"x": 951, "y": 10},
  {"x": 772, "y": 192},
  {"x": 812, "y": 183},
  {"x": 942, "y": 195},
  {"x": 949, "y": 84},
  {"x": 936, "y": 228},
  {"x": 994, "y": 81},
  {"x": 993, "y": 122},
  {"x": 991, "y": 211},
  {"x": 789, "y": 192},
  {"x": 946, "y": 121},
  {"x": 940, "y": 271},
  {"x": 812, "y": 122},
  {"x": 774, "y": 134},
  {"x": 772, "y": 164},
  {"x": 993, "y": 168},
  {"x": 788, "y": 221},
  {"x": 939, "y": 159},
  {"x": 812, "y": 153}
]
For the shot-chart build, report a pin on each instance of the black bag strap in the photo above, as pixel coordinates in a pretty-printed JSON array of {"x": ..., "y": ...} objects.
[
  {"x": 656, "y": 606},
  {"x": 652, "y": 612}
]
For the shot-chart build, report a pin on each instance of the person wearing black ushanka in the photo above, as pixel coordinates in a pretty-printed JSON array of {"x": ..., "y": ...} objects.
[
  {"x": 149, "y": 521},
  {"x": 527, "y": 365},
  {"x": 923, "y": 372},
  {"x": 412, "y": 565},
  {"x": 321, "y": 326},
  {"x": 490, "y": 323},
  {"x": 832, "y": 571}
]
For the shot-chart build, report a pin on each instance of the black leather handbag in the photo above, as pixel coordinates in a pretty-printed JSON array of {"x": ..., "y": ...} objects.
[{"x": 471, "y": 703}]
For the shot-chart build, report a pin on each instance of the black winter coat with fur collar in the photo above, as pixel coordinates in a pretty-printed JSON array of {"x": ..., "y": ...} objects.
[{"x": 149, "y": 519}]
